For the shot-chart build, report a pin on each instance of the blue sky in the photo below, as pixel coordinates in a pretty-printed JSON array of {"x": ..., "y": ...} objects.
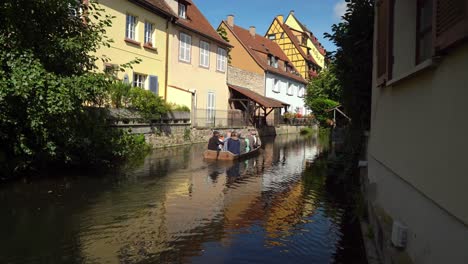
[{"x": 318, "y": 15}]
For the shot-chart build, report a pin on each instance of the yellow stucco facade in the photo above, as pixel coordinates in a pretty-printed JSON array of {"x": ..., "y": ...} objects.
[
  {"x": 191, "y": 84},
  {"x": 293, "y": 23},
  {"x": 153, "y": 60},
  {"x": 288, "y": 47}
]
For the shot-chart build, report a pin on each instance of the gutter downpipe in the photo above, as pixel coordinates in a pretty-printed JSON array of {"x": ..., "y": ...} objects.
[{"x": 167, "y": 60}]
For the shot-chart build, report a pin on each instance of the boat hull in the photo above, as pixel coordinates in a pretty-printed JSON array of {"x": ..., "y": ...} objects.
[{"x": 226, "y": 155}]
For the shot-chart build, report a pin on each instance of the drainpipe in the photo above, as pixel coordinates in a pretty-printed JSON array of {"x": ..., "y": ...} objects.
[{"x": 167, "y": 59}]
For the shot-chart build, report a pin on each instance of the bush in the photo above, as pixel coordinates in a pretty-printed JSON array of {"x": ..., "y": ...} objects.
[
  {"x": 180, "y": 108},
  {"x": 119, "y": 94},
  {"x": 147, "y": 103},
  {"x": 319, "y": 107},
  {"x": 307, "y": 131}
]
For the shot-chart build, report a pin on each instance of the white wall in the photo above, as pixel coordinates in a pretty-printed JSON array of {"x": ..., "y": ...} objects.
[{"x": 294, "y": 100}]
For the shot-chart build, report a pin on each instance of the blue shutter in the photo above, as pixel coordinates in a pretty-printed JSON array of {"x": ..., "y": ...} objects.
[{"x": 154, "y": 84}]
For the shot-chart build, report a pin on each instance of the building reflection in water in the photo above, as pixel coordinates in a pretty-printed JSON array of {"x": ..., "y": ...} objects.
[{"x": 175, "y": 204}]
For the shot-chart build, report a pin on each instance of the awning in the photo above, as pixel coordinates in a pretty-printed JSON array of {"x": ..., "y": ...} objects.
[{"x": 258, "y": 98}]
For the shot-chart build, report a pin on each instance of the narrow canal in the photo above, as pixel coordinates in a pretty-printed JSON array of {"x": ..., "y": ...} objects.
[{"x": 178, "y": 208}]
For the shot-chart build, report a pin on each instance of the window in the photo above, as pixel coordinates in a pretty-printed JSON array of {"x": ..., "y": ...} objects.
[
  {"x": 139, "y": 80},
  {"x": 424, "y": 30},
  {"x": 290, "y": 89},
  {"x": 182, "y": 11},
  {"x": 271, "y": 36},
  {"x": 282, "y": 35},
  {"x": 149, "y": 33},
  {"x": 210, "y": 108},
  {"x": 204, "y": 54},
  {"x": 221, "y": 60},
  {"x": 301, "y": 92},
  {"x": 130, "y": 31},
  {"x": 185, "y": 47},
  {"x": 272, "y": 61},
  {"x": 276, "y": 86}
]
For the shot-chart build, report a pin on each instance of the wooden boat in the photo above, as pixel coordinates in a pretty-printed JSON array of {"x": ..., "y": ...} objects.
[{"x": 227, "y": 155}]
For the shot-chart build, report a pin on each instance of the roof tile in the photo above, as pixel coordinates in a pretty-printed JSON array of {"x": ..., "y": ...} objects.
[
  {"x": 197, "y": 22},
  {"x": 260, "y": 47}
]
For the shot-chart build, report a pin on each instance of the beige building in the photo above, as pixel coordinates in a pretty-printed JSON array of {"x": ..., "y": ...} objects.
[
  {"x": 417, "y": 168},
  {"x": 139, "y": 30},
  {"x": 197, "y": 65}
]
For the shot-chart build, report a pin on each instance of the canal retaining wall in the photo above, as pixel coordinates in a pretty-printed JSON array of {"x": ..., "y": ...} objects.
[{"x": 282, "y": 130}]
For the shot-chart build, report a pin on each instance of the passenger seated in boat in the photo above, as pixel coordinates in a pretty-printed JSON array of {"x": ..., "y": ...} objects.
[
  {"x": 257, "y": 141},
  {"x": 226, "y": 140},
  {"x": 221, "y": 142},
  {"x": 213, "y": 143},
  {"x": 251, "y": 140},
  {"x": 243, "y": 144},
  {"x": 234, "y": 144}
]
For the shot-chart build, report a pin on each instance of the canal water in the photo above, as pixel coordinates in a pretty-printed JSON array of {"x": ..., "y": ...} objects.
[{"x": 177, "y": 208}]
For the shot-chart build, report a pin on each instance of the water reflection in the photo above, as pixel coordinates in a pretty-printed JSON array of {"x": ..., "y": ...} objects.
[{"x": 179, "y": 208}]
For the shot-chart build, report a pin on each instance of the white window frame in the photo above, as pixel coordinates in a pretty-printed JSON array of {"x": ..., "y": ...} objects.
[
  {"x": 149, "y": 32},
  {"x": 185, "y": 47},
  {"x": 210, "y": 108},
  {"x": 139, "y": 80},
  {"x": 131, "y": 27},
  {"x": 221, "y": 60},
  {"x": 276, "y": 86},
  {"x": 290, "y": 90},
  {"x": 301, "y": 92},
  {"x": 182, "y": 11},
  {"x": 204, "y": 54}
]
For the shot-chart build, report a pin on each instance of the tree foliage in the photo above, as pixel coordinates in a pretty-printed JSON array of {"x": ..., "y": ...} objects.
[
  {"x": 46, "y": 80},
  {"x": 325, "y": 85},
  {"x": 353, "y": 37},
  {"x": 320, "y": 106}
]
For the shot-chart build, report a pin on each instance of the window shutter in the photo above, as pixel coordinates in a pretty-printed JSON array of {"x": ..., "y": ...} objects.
[
  {"x": 154, "y": 84},
  {"x": 383, "y": 41},
  {"x": 451, "y": 23}
]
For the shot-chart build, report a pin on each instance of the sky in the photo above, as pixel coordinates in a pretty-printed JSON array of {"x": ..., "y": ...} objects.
[{"x": 317, "y": 15}]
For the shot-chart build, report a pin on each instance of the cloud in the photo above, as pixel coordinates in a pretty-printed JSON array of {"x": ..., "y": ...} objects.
[{"x": 340, "y": 9}]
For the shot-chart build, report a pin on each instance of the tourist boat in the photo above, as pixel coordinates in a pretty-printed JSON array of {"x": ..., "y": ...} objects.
[{"x": 227, "y": 155}]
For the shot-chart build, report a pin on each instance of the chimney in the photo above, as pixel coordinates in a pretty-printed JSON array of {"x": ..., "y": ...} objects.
[
  {"x": 280, "y": 18},
  {"x": 230, "y": 20},
  {"x": 291, "y": 12},
  {"x": 252, "y": 31}
]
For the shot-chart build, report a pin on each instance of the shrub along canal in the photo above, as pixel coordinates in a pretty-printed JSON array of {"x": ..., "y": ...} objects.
[{"x": 178, "y": 208}]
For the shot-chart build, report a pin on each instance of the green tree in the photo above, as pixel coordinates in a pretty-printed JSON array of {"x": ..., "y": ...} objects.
[
  {"x": 326, "y": 85},
  {"x": 353, "y": 58},
  {"x": 320, "y": 106},
  {"x": 46, "y": 80}
]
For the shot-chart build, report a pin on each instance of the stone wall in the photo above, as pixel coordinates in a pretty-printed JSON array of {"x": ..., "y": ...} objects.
[
  {"x": 282, "y": 130},
  {"x": 246, "y": 79},
  {"x": 185, "y": 137}
]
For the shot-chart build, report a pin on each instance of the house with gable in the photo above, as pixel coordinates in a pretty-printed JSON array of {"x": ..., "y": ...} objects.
[
  {"x": 299, "y": 44},
  {"x": 260, "y": 65},
  {"x": 139, "y": 30},
  {"x": 197, "y": 65}
]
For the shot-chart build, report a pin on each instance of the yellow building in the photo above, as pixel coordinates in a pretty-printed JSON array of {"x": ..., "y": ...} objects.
[
  {"x": 139, "y": 30},
  {"x": 299, "y": 44},
  {"x": 197, "y": 65}
]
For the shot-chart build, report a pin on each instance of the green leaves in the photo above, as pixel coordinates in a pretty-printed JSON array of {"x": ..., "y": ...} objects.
[{"x": 320, "y": 106}]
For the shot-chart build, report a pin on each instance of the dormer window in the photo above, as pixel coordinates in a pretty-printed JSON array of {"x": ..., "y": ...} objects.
[
  {"x": 182, "y": 10},
  {"x": 272, "y": 61},
  {"x": 271, "y": 36}
]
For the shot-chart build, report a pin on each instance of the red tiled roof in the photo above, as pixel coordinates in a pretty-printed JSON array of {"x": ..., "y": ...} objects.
[
  {"x": 197, "y": 22},
  {"x": 259, "y": 47},
  {"x": 156, "y": 5},
  {"x": 258, "y": 98}
]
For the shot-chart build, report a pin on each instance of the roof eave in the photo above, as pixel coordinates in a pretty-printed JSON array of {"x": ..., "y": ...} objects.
[
  {"x": 153, "y": 8},
  {"x": 203, "y": 34}
]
